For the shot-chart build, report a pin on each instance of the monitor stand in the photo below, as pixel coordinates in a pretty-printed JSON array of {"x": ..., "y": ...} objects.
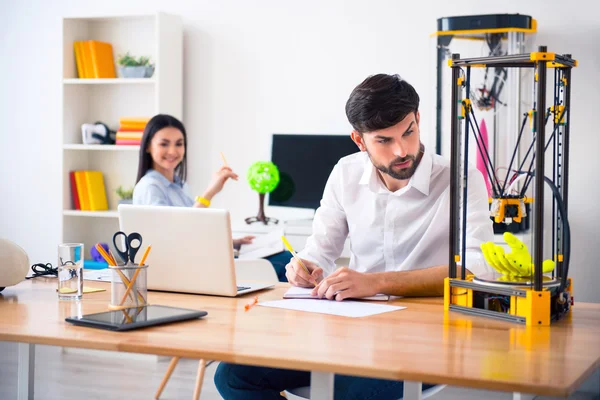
[{"x": 261, "y": 217}]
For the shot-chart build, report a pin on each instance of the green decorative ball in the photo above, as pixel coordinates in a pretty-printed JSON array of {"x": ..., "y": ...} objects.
[{"x": 263, "y": 176}]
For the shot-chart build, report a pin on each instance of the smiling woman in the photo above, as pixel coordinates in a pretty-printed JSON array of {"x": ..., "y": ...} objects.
[{"x": 162, "y": 167}]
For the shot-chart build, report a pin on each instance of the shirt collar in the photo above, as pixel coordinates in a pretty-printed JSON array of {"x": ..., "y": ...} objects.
[
  {"x": 422, "y": 176},
  {"x": 162, "y": 179},
  {"x": 370, "y": 177},
  {"x": 420, "y": 179}
]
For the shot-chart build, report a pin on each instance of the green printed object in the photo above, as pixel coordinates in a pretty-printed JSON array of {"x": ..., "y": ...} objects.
[
  {"x": 263, "y": 176},
  {"x": 515, "y": 263}
]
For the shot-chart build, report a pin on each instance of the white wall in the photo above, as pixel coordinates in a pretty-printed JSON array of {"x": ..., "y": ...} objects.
[{"x": 253, "y": 68}]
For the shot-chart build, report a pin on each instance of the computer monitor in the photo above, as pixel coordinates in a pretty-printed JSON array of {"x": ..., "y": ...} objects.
[{"x": 304, "y": 163}]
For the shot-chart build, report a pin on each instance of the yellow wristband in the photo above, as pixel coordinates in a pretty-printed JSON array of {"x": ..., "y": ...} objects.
[{"x": 203, "y": 201}]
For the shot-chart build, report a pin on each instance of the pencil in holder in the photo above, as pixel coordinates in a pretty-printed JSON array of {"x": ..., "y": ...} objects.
[{"x": 129, "y": 287}]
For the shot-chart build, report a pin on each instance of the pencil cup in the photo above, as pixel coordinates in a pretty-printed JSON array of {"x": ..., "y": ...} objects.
[
  {"x": 128, "y": 286},
  {"x": 70, "y": 271}
]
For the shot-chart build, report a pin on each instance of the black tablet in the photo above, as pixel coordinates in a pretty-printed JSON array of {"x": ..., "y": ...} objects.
[{"x": 134, "y": 318}]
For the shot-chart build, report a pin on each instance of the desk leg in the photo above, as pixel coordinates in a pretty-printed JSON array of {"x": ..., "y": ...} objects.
[
  {"x": 412, "y": 390},
  {"x": 321, "y": 385},
  {"x": 25, "y": 371},
  {"x": 521, "y": 396}
]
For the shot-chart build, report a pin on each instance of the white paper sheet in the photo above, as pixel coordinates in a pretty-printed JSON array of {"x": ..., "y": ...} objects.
[
  {"x": 304, "y": 293},
  {"x": 354, "y": 309},
  {"x": 102, "y": 275},
  {"x": 262, "y": 246}
]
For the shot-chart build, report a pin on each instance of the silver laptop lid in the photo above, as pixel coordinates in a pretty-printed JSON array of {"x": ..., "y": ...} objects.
[{"x": 192, "y": 249}]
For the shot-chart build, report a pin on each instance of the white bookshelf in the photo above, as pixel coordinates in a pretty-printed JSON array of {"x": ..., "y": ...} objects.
[
  {"x": 110, "y": 81},
  {"x": 100, "y": 147},
  {"x": 158, "y": 36},
  {"x": 94, "y": 214}
]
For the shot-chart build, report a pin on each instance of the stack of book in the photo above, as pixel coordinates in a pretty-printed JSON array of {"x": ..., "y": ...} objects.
[
  {"x": 94, "y": 59},
  {"x": 131, "y": 130},
  {"x": 88, "y": 191}
]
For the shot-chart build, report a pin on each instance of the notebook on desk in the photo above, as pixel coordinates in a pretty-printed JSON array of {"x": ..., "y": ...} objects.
[
  {"x": 305, "y": 293},
  {"x": 263, "y": 246},
  {"x": 192, "y": 249}
]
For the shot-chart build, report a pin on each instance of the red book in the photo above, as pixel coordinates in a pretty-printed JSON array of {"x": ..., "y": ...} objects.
[{"x": 74, "y": 193}]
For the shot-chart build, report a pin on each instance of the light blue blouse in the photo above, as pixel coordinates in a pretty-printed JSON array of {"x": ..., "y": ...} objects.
[{"x": 156, "y": 190}]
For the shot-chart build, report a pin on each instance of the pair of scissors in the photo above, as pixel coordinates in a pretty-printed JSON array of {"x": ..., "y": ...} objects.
[{"x": 131, "y": 249}]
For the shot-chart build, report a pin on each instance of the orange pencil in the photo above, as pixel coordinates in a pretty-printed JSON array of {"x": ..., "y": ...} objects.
[
  {"x": 250, "y": 305},
  {"x": 112, "y": 257},
  {"x": 135, "y": 275},
  {"x": 145, "y": 254},
  {"x": 224, "y": 160},
  {"x": 104, "y": 255},
  {"x": 130, "y": 286}
]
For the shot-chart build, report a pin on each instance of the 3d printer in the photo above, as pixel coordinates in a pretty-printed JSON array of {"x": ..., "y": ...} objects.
[{"x": 533, "y": 298}]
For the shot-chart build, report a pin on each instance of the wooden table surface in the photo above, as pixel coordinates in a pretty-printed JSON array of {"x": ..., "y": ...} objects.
[{"x": 420, "y": 343}]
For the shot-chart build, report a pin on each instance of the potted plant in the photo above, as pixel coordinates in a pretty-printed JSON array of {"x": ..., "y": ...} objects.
[
  {"x": 125, "y": 196},
  {"x": 130, "y": 67}
]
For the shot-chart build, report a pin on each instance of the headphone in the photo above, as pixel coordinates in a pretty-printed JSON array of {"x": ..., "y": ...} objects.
[{"x": 98, "y": 133}]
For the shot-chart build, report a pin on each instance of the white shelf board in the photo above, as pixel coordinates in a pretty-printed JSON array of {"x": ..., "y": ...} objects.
[
  {"x": 97, "y": 214},
  {"x": 109, "y": 81},
  {"x": 100, "y": 147},
  {"x": 111, "y": 18}
]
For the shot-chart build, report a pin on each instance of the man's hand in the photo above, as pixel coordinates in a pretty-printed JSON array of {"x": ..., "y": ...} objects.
[
  {"x": 346, "y": 283},
  {"x": 298, "y": 277},
  {"x": 515, "y": 263}
]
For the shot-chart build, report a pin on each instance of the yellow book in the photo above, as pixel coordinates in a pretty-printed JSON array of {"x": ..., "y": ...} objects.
[
  {"x": 86, "y": 53},
  {"x": 82, "y": 192},
  {"x": 103, "y": 64},
  {"x": 96, "y": 190},
  {"x": 134, "y": 120},
  {"x": 132, "y": 128},
  {"x": 78, "y": 59}
]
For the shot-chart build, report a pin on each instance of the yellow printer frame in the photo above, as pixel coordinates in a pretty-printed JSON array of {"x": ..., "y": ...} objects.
[{"x": 538, "y": 300}]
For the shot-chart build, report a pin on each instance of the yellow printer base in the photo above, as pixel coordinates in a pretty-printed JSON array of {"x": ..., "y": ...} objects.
[{"x": 508, "y": 298}]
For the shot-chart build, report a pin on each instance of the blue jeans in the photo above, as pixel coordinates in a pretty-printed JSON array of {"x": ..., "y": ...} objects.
[
  {"x": 241, "y": 382},
  {"x": 279, "y": 261}
]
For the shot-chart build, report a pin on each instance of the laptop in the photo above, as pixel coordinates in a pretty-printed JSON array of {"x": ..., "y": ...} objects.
[{"x": 192, "y": 249}]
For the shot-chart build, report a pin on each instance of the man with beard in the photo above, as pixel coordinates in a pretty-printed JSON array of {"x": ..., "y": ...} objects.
[{"x": 392, "y": 201}]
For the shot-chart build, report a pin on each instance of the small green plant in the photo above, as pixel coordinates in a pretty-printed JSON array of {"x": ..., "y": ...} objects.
[
  {"x": 124, "y": 194},
  {"x": 127, "y": 60}
]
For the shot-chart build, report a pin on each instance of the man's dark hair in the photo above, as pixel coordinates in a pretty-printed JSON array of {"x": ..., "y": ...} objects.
[{"x": 379, "y": 102}]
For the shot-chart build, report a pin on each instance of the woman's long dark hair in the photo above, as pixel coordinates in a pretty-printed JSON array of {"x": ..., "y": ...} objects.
[{"x": 157, "y": 123}]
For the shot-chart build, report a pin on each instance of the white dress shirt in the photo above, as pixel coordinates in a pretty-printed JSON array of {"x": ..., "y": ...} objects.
[{"x": 395, "y": 231}]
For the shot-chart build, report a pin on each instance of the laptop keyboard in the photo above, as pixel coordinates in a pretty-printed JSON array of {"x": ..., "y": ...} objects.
[{"x": 240, "y": 288}]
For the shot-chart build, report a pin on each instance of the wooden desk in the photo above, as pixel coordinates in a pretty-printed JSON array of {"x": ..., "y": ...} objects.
[{"x": 418, "y": 344}]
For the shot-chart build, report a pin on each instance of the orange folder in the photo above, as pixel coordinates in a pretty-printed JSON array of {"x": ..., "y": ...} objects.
[
  {"x": 103, "y": 64},
  {"x": 84, "y": 200},
  {"x": 96, "y": 191}
]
